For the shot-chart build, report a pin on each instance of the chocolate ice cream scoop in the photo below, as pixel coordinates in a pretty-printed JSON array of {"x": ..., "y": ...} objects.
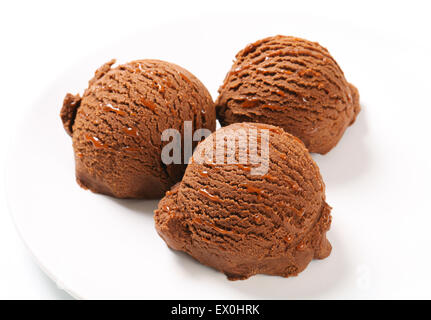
[
  {"x": 291, "y": 83},
  {"x": 242, "y": 223},
  {"x": 116, "y": 126}
]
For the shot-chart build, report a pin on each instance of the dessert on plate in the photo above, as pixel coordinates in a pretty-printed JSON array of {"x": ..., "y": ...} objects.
[{"x": 241, "y": 219}]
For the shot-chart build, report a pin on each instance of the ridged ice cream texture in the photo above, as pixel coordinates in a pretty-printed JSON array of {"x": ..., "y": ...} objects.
[
  {"x": 116, "y": 126},
  {"x": 291, "y": 83},
  {"x": 243, "y": 224}
]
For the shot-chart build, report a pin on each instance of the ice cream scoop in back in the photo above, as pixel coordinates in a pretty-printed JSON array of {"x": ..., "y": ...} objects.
[{"x": 291, "y": 83}]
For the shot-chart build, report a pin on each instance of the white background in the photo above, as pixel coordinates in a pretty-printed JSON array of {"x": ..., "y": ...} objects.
[{"x": 39, "y": 40}]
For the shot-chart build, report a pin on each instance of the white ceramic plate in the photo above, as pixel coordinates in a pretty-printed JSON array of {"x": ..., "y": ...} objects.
[{"x": 377, "y": 177}]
